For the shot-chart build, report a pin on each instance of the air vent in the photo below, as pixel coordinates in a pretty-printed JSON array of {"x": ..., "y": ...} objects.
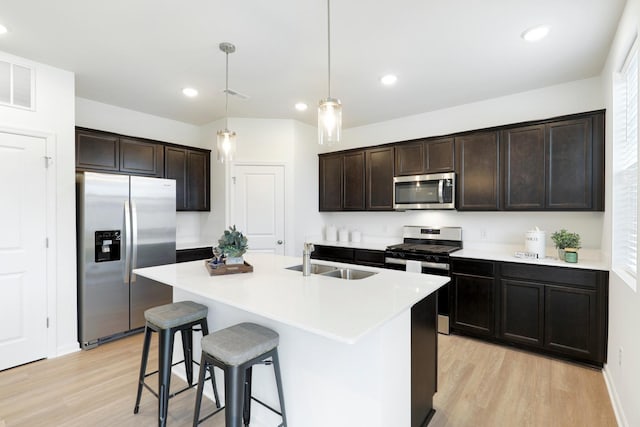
[{"x": 16, "y": 85}]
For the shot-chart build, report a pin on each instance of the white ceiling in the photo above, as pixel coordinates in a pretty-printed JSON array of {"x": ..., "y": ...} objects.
[{"x": 139, "y": 54}]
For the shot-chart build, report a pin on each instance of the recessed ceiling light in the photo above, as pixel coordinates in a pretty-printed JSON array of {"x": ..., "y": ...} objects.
[
  {"x": 3, "y": 29},
  {"x": 536, "y": 33},
  {"x": 190, "y": 92},
  {"x": 389, "y": 79},
  {"x": 301, "y": 106}
]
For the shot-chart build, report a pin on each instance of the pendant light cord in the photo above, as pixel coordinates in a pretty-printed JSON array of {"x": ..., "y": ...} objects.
[
  {"x": 329, "y": 48},
  {"x": 226, "y": 94}
]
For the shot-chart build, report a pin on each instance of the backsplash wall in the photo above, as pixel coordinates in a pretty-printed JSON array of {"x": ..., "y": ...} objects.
[{"x": 477, "y": 227}]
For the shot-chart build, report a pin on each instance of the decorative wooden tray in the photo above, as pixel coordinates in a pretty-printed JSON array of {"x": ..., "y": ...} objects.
[{"x": 228, "y": 269}]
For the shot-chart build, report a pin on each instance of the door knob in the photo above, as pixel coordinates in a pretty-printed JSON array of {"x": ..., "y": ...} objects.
[{"x": 279, "y": 242}]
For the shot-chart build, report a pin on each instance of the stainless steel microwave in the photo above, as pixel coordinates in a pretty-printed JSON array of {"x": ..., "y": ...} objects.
[{"x": 435, "y": 191}]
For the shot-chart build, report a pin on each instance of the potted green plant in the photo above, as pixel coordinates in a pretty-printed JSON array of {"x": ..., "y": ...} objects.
[
  {"x": 233, "y": 244},
  {"x": 564, "y": 240}
]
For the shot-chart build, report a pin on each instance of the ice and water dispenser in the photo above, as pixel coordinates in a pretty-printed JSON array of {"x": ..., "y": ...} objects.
[{"x": 108, "y": 245}]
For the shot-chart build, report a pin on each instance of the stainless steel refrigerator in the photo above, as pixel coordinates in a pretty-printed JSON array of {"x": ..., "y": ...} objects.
[{"x": 123, "y": 222}]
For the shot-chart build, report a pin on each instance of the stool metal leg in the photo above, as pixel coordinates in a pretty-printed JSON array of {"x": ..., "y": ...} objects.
[
  {"x": 164, "y": 377},
  {"x": 196, "y": 412},
  {"x": 233, "y": 387},
  {"x": 187, "y": 348},
  {"x": 143, "y": 365},
  {"x": 276, "y": 370},
  {"x": 205, "y": 332},
  {"x": 246, "y": 413}
]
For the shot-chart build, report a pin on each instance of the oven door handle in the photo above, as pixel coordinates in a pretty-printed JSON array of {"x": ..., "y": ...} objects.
[{"x": 424, "y": 264}]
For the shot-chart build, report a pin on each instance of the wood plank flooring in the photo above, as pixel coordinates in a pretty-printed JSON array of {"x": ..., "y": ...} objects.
[{"x": 480, "y": 385}]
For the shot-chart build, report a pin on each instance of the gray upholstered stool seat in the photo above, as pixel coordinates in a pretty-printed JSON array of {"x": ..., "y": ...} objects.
[
  {"x": 240, "y": 343},
  {"x": 236, "y": 350},
  {"x": 172, "y": 315}
]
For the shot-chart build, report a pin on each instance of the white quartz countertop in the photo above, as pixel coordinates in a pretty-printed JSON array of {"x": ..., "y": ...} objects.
[
  {"x": 193, "y": 245},
  {"x": 376, "y": 245},
  {"x": 339, "y": 309},
  {"x": 587, "y": 259}
]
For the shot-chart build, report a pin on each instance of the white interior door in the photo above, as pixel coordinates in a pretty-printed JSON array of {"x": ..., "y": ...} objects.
[
  {"x": 258, "y": 206},
  {"x": 23, "y": 262}
]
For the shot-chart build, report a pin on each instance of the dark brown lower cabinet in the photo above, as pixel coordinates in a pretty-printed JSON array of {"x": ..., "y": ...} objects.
[
  {"x": 558, "y": 311},
  {"x": 370, "y": 257},
  {"x": 473, "y": 297}
]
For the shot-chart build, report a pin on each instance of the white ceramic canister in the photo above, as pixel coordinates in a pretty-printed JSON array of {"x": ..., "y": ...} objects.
[
  {"x": 330, "y": 233},
  {"x": 535, "y": 242},
  {"x": 343, "y": 235},
  {"x": 356, "y": 236}
]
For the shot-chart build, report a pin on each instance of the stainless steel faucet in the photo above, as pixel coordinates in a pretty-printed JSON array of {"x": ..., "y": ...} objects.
[{"x": 306, "y": 258}]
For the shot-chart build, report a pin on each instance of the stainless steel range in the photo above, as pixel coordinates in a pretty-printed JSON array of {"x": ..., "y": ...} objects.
[{"x": 426, "y": 250}]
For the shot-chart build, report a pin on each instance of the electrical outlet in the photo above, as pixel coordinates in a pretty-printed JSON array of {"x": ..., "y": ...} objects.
[{"x": 620, "y": 356}]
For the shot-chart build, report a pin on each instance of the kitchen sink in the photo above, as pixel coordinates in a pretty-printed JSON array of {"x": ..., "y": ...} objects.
[
  {"x": 340, "y": 273},
  {"x": 315, "y": 268},
  {"x": 349, "y": 273}
]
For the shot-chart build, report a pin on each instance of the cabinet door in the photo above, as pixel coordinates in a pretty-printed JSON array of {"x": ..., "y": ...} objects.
[
  {"x": 571, "y": 324},
  {"x": 472, "y": 304},
  {"x": 439, "y": 155},
  {"x": 369, "y": 257},
  {"x": 522, "y": 314},
  {"x": 409, "y": 159},
  {"x": 523, "y": 165},
  {"x": 379, "y": 179},
  {"x": 333, "y": 253},
  {"x": 477, "y": 164},
  {"x": 330, "y": 182},
  {"x": 97, "y": 151},
  {"x": 141, "y": 157},
  {"x": 197, "y": 177},
  {"x": 570, "y": 165},
  {"x": 175, "y": 168},
  {"x": 354, "y": 177}
]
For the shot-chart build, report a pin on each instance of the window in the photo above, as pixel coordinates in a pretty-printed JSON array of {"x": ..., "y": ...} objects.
[{"x": 625, "y": 170}]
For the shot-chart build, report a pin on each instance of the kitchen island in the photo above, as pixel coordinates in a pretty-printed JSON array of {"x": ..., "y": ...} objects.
[{"x": 353, "y": 352}]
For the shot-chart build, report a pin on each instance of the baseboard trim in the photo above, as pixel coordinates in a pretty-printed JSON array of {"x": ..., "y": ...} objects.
[
  {"x": 67, "y": 349},
  {"x": 615, "y": 400}
]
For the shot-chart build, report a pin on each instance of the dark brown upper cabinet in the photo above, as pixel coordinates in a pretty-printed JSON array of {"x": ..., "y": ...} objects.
[
  {"x": 141, "y": 157},
  {"x": 478, "y": 168},
  {"x": 330, "y": 193},
  {"x": 524, "y": 168},
  {"x": 354, "y": 177},
  {"x": 424, "y": 156},
  {"x": 97, "y": 151},
  {"x": 107, "y": 152},
  {"x": 101, "y": 151},
  {"x": 575, "y": 160},
  {"x": 190, "y": 169},
  {"x": 379, "y": 179},
  {"x": 356, "y": 180}
]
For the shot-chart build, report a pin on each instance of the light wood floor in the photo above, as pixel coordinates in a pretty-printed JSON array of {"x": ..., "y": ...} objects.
[{"x": 480, "y": 385}]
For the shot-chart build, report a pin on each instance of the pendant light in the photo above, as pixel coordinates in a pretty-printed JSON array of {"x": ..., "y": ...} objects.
[
  {"x": 329, "y": 109},
  {"x": 226, "y": 145}
]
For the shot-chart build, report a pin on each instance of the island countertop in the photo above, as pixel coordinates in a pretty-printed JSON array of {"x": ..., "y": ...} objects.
[{"x": 339, "y": 309}]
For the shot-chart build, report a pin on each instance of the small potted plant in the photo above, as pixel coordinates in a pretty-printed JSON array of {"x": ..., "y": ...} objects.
[
  {"x": 233, "y": 244},
  {"x": 565, "y": 240}
]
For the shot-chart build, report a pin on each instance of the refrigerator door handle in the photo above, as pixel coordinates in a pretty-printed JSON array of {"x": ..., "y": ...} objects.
[
  {"x": 127, "y": 236},
  {"x": 134, "y": 238}
]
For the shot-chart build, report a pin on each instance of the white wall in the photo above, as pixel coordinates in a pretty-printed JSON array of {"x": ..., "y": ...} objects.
[
  {"x": 624, "y": 303},
  {"x": 54, "y": 114},
  {"x": 96, "y": 115},
  {"x": 505, "y": 227}
]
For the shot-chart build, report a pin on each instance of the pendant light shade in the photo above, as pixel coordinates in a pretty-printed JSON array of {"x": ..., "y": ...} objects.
[
  {"x": 329, "y": 109},
  {"x": 226, "y": 145},
  {"x": 329, "y": 121},
  {"x": 226, "y": 141}
]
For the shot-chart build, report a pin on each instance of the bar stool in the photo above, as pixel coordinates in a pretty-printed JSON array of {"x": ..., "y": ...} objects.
[
  {"x": 235, "y": 350},
  {"x": 168, "y": 319}
]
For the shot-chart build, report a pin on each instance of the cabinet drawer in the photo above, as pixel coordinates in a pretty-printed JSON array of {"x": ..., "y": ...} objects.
[
  {"x": 194, "y": 254},
  {"x": 333, "y": 253},
  {"x": 472, "y": 267},
  {"x": 369, "y": 257},
  {"x": 562, "y": 275}
]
